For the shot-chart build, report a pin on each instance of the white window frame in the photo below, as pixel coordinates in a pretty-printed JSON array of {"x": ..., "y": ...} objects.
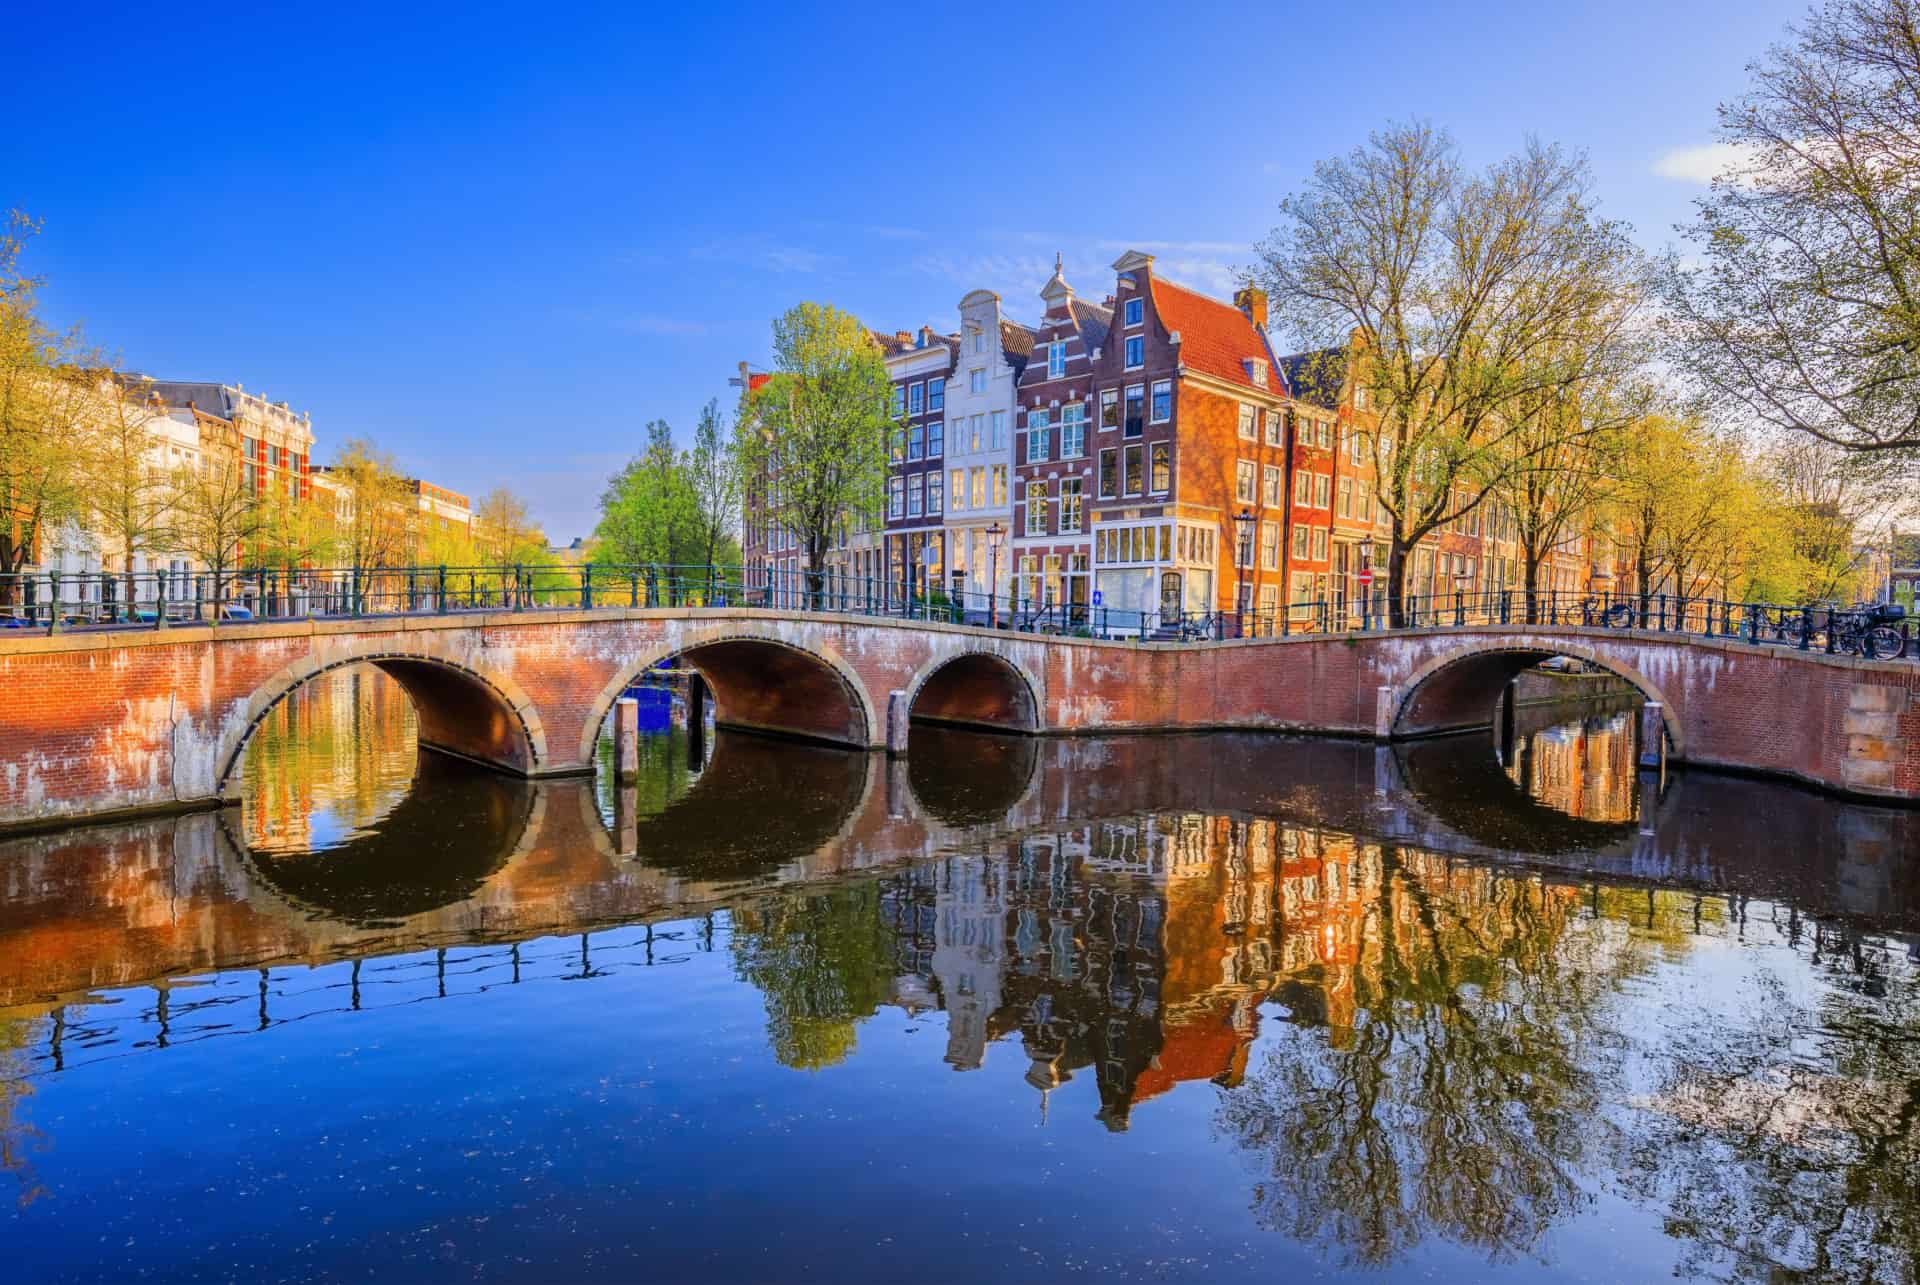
[
  {"x": 1133, "y": 312},
  {"x": 1134, "y": 344},
  {"x": 1153, "y": 401}
]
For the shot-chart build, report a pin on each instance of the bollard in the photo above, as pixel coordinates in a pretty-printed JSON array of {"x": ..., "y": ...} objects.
[
  {"x": 897, "y": 722},
  {"x": 626, "y": 739}
]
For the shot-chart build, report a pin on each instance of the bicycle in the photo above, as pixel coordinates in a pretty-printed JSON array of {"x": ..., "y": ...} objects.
[
  {"x": 1617, "y": 616},
  {"x": 1868, "y": 630}
]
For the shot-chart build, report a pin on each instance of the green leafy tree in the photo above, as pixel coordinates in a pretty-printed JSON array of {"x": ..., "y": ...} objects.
[
  {"x": 823, "y": 962},
  {"x": 813, "y": 442},
  {"x": 129, "y": 489},
  {"x": 714, "y": 468},
  {"x": 650, "y": 512}
]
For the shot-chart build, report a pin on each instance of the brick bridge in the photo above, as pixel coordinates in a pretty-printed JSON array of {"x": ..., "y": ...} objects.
[{"x": 110, "y": 722}]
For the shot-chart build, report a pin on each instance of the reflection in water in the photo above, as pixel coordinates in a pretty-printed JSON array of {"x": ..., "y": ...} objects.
[
  {"x": 328, "y": 762},
  {"x": 1319, "y": 1005}
]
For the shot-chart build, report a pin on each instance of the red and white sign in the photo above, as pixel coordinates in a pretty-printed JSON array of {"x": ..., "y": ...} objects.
[{"x": 1366, "y": 577}]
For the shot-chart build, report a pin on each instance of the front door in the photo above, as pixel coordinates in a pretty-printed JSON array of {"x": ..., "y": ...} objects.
[{"x": 1169, "y": 595}]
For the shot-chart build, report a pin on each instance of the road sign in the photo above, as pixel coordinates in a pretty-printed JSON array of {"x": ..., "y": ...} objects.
[
  {"x": 1366, "y": 576},
  {"x": 1096, "y": 597}
]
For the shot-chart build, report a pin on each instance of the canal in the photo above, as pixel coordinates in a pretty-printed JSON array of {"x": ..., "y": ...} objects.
[{"x": 1491, "y": 1007}]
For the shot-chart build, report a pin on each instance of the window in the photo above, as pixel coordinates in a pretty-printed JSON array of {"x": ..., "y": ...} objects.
[
  {"x": 1249, "y": 424},
  {"x": 1356, "y": 446},
  {"x": 978, "y": 485},
  {"x": 1272, "y": 488},
  {"x": 973, "y": 433},
  {"x": 1258, "y": 369},
  {"x": 1326, "y": 435},
  {"x": 1322, "y": 490},
  {"x": 999, "y": 431},
  {"x": 1270, "y": 545},
  {"x": 1109, "y": 409},
  {"x": 1162, "y": 480},
  {"x": 1136, "y": 311},
  {"x": 1136, "y": 352},
  {"x": 1136, "y": 410},
  {"x": 959, "y": 488},
  {"x": 1130, "y": 470},
  {"x": 935, "y": 493},
  {"x": 1303, "y": 489},
  {"x": 1360, "y": 399},
  {"x": 977, "y": 380},
  {"x": 1109, "y": 473},
  {"x": 1056, "y": 359},
  {"x": 913, "y": 496},
  {"x": 1319, "y": 544},
  {"x": 1039, "y": 436},
  {"x": 1073, "y": 430},
  {"x": 899, "y": 401},
  {"x": 897, "y": 445},
  {"x": 936, "y": 393},
  {"x": 1242, "y": 545},
  {"x": 1302, "y": 602},
  {"x": 1162, "y": 400},
  {"x": 916, "y": 398},
  {"x": 979, "y": 341},
  {"x": 916, "y": 441},
  {"x": 1243, "y": 481},
  {"x": 1070, "y": 503},
  {"x": 936, "y": 439},
  {"x": 896, "y": 496},
  {"x": 999, "y": 485},
  {"x": 1300, "y": 538},
  {"x": 1345, "y": 506},
  {"x": 1276, "y": 428},
  {"x": 1036, "y": 508}
]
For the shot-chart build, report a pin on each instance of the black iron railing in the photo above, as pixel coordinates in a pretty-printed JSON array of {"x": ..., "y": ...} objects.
[{"x": 159, "y": 599}]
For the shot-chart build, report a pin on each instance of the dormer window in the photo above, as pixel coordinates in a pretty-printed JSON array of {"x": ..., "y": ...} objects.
[
  {"x": 1257, "y": 372},
  {"x": 1136, "y": 311}
]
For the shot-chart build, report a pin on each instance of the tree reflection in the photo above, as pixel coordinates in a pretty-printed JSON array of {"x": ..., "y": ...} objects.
[
  {"x": 17, "y": 1137},
  {"x": 1456, "y": 1089},
  {"x": 822, "y": 961},
  {"x": 1785, "y": 1143}
]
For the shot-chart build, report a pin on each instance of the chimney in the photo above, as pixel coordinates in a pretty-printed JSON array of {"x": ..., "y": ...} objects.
[
  {"x": 1252, "y": 300},
  {"x": 926, "y": 336},
  {"x": 903, "y": 337}
]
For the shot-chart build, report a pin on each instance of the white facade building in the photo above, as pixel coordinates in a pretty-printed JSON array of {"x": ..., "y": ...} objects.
[{"x": 981, "y": 398}]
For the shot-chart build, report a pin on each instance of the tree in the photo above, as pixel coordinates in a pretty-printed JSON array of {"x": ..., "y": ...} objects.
[
  {"x": 814, "y": 440},
  {"x": 215, "y": 508},
  {"x": 649, "y": 513},
  {"x": 1832, "y": 506},
  {"x": 714, "y": 467},
  {"x": 1678, "y": 508},
  {"x": 1802, "y": 306},
  {"x": 1474, "y": 294},
  {"x": 45, "y": 409},
  {"x": 503, "y": 532},
  {"x": 129, "y": 492},
  {"x": 375, "y": 530}
]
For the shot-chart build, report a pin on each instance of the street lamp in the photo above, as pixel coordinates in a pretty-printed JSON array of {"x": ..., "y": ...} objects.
[
  {"x": 994, "y": 533},
  {"x": 1244, "y": 547}
]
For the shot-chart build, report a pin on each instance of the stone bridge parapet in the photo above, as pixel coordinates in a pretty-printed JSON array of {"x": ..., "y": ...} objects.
[{"x": 110, "y": 722}]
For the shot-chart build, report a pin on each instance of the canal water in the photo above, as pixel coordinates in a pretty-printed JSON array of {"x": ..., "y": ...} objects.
[{"x": 1168, "y": 1008}]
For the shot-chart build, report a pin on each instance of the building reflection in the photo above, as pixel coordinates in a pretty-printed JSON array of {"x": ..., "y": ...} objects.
[{"x": 1404, "y": 1031}]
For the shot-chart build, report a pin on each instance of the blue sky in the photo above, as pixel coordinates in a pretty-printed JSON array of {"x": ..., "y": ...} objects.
[{"x": 499, "y": 240}]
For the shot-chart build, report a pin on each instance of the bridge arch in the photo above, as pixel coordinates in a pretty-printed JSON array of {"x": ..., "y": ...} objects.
[
  {"x": 1459, "y": 688},
  {"x": 976, "y": 688},
  {"x": 483, "y": 716},
  {"x": 761, "y": 681}
]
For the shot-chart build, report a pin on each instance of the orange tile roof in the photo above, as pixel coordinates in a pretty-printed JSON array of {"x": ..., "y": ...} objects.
[{"x": 1215, "y": 338}]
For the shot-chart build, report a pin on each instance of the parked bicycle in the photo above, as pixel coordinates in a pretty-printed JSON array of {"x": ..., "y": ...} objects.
[
  {"x": 1619, "y": 615},
  {"x": 1869, "y": 629}
]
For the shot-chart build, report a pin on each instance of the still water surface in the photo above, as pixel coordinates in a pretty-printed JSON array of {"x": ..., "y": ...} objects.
[{"x": 1159, "y": 1008}]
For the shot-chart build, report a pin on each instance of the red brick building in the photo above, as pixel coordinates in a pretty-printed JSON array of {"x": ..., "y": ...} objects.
[
  {"x": 913, "y": 535},
  {"x": 1181, "y": 393}
]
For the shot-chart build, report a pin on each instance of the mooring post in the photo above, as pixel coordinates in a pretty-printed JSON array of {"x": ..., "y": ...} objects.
[
  {"x": 896, "y": 722},
  {"x": 1653, "y": 738},
  {"x": 626, "y": 739}
]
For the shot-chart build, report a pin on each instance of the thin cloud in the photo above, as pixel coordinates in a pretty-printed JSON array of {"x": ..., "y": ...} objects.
[
  {"x": 757, "y": 252},
  {"x": 1702, "y": 164}
]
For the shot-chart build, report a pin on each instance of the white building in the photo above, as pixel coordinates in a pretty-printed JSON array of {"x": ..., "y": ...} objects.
[{"x": 981, "y": 398}]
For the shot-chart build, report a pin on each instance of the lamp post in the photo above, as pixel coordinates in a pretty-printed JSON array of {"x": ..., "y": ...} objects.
[
  {"x": 1244, "y": 547},
  {"x": 994, "y": 533}
]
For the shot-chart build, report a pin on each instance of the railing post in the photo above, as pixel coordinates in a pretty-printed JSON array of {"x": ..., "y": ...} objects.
[
  {"x": 586, "y": 586},
  {"x": 160, "y": 602}
]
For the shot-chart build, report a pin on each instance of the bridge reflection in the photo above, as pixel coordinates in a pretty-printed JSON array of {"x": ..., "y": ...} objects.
[{"x": 1131, "y": 911}]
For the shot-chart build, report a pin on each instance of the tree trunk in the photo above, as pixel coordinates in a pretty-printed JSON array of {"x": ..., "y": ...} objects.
[
  {"x": 1531, "y": 557},
  {"x": 1643, "y": 570},
  {"x": 1396, "y": 582}
]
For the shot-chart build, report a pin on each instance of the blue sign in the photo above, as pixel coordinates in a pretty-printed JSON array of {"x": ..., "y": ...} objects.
[{"x": 1096, "y": 597}]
